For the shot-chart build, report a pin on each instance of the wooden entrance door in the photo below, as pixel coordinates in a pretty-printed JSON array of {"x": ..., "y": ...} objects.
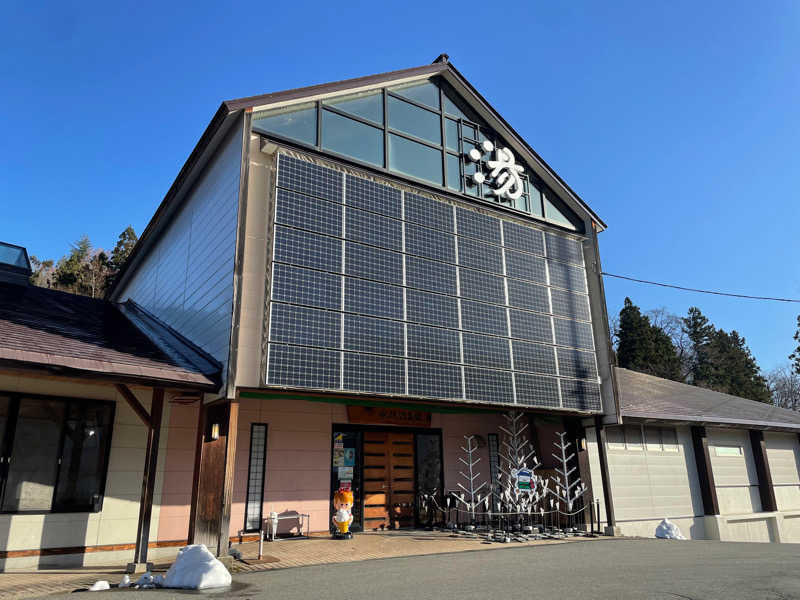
[{"x": 388, "y": 480}]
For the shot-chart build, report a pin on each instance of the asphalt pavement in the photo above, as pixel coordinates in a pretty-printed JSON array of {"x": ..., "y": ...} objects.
[{"x": 614, "y": 568}]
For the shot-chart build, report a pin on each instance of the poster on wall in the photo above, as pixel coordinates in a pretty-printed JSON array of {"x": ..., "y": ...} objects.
[
  {"x": 345, "y": 473},
  {"x": 339, "y": 457}
]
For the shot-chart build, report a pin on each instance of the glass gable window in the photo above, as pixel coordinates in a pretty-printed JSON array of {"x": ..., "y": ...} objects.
[
  {"x": 55, "y": 453},
  {"x": 417, "y": 130}
]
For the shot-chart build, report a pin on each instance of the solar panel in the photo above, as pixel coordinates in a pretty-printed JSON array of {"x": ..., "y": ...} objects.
[
  {"x": 581, "y": 395},
  {"x": 303, "y": 367},
  {"x": 571, "y": 305},
  {"x": 577, "y": 364},
  {"x": 373, "y": 298},
  {"x": 488, "y": 385},
  {"x": 487, "y": 351},
  {"x": 375, "y": 197},
  {"x": 430, "y": 243},
  {"x": 477, "y": 225},
  {"x": 309, "y": 213},
  {"x": 303, "y": 286},
  {"x": 528, "y": 295},
  {"x": 374, "y": 229},
  {"x": 433, "y": 213},
  {"x": 381, "y": 256},
  {"x": 430, "y": 275},
  {"x": 566, "y": 276},
  {"x": 531, "y": 326},
  {"x": 433, "y": 343},
  {"x": 367, "y": 373},
  {"x": 483, "y": 318},
  {"x": 525, "y": 266},
  {"x": 435, "y": 380},
  {"x": 564, "y": 248},
  {"x": 373, "y": 263},
  {"x": 308, "y": 249},
  {"x": 536, "y": 358},
  {"x": 368, "y": 334},
  {"x": 524, "y": 238},
  {"x": 433, "y": 309},
  {"x": 304, "y": 326},
  {"x": 574, "y": 334},
  {"x": 482, "y": 286},
  {"x": 308, "y": 178},
  {"x": 537, "y": 390}
]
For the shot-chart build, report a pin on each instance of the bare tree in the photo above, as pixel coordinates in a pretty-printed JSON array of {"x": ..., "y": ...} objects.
[
  {"x": 672, "y": 325},
  {"x": 784, "y": 384}
]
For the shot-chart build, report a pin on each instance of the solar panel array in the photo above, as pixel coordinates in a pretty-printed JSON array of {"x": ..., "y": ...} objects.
[{"x": 375, "y": 289}]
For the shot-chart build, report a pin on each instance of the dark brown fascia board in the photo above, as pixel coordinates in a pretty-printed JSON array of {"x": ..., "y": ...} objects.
[
  {"x": 166, "y": 208},
  {"x": 336, "y": 86},
  {"x": 711, "y": 421},
  {"x": 453, "y": 77},
  {"x": 78, "y": 373}
]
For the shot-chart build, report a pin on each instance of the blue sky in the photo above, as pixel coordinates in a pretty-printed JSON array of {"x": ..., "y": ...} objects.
[{"x": 677, "y": 122}]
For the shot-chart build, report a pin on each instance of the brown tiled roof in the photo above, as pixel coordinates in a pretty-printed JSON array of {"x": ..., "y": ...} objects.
[
  {"x": 66, "y": 334},
  {"x": 647, "y": 397}
]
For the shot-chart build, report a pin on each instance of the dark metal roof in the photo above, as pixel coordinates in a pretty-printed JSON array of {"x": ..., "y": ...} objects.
[
  {"x": 65, "y": 334},
  {"x": 648, "y": 397}
]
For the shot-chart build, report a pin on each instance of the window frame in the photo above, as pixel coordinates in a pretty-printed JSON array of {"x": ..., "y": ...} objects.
[
  {"x": 250, "y": 472},
  {"x": 530, "y": 178},
  {"x": 9, "y": 434},
  {"x": 629, "y": 446}
]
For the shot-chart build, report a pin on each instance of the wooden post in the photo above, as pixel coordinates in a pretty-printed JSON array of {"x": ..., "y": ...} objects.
[
  {"x": 765, "y": 487},
  {"x": 230, "y": 471},
  {"x": 600, "y": 431},
  {"x": 705, "y": 473},
  {"x": 198, "y": 455},
  {"x": 148, "y": 479}
]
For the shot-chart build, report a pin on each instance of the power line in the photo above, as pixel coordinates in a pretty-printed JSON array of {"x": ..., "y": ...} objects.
[{"x": 688, "y": 289}]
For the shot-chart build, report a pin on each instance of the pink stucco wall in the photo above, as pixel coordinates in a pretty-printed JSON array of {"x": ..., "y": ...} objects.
[{"x": 176, "y": 488}]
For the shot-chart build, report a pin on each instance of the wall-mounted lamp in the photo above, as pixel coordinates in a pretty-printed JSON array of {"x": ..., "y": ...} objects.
[{"x": 215, "y": 431}]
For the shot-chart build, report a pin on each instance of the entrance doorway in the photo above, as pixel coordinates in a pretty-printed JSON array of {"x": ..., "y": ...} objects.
[
  {"x": 387, "y": 469},
  {"x": 388, "y": 480}
]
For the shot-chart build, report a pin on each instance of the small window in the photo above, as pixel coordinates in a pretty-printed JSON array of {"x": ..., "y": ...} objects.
[
  {"x": 669, "y": 439},
  {"x": 451, "y": 109},
  {"x": 352, "y": 138},
  {"x": 415, "y": 159},
  {"x": 451, "y": 134},
  {"x": 255, "y": 477},
  {"x": 425, "y": 93},
  {"x": 413, "y": 120},
  {"x": 728, "y": 450},
  {"x": 551, "y": 213},
  {"x": 652, "y": 436},
  {"x": 296, "y": 123},
  {"x": 615, "y": 438},
  {"x": 367, "y": 105},
  {"x": 453, "y": 172}
]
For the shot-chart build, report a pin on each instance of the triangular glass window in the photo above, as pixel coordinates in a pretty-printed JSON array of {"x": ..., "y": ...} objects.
[
  {"x": 295, "y": 122},
  {"x": 368, "y": 105},
  {"x": 425, "y": 93},
  {"x": 551, "y": 213}
]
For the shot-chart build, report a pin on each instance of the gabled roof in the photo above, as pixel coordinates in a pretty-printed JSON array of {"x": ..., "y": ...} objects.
[
  {"x": 229, "y": 111},
  {"x": 647, "y": 397},
  {"x": 65, "y": 334},
  {"x": 442, "y": 67}
]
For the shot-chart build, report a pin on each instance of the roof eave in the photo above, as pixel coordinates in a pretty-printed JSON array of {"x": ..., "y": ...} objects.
[{"x": 707, "y": 420}]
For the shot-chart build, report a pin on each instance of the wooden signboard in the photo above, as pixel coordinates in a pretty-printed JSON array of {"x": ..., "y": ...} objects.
[{"x": 388, "y": 415}]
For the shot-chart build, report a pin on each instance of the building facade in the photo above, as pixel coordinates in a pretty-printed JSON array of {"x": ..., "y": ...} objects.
[{"x": 341, "y": 284}]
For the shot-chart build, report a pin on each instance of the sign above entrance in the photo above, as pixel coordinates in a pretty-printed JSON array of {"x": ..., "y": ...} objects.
[{"x": 388, "y": 415}]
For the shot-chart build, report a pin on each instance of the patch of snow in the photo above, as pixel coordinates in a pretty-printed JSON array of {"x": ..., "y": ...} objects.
[
  {"x": 126, "y": 582},
  {"x": 196, "y": 568},
  {"x": 667, "y": 530},
  {"x": 99, "y": 586}
]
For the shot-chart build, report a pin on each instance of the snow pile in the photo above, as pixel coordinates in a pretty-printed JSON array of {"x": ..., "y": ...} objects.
[
  {"x": 99, "y": 586},
  {"x": 667, "y": 530},
  {"x": 126, "y": 582},
  {"x": 196, "y": 569}
]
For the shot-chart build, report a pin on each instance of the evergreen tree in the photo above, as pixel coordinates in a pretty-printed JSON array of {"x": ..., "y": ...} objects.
[
  {"x": 699, "y": 331},
  {"x": 125, "y": 243},
  {"x": 645, "y": 347}
]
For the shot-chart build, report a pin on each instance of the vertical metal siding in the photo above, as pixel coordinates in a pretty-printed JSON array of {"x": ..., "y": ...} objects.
[{"x": 186, "y": 280}]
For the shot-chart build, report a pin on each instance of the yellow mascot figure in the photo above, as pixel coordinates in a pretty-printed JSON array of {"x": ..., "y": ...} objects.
[{"x": 343, "y": 505}]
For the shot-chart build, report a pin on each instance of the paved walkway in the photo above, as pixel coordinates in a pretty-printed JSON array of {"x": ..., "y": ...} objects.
[{"x": 316, "y": 550}]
